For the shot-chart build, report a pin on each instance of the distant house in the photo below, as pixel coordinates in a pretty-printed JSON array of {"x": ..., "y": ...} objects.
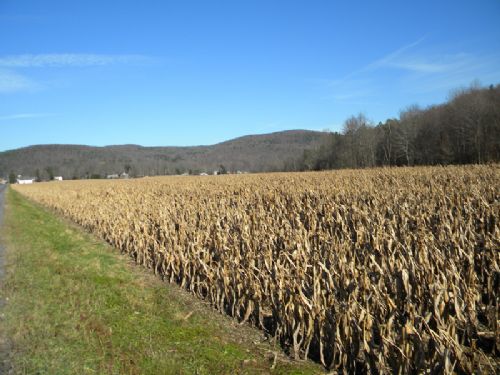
[
  {"x": 25, "y": 180},
  {"x": 112, "y": 176},
  {"x": 2, "y": 181},
  {"x": 203, "y": 174},
  {"x": 58, "y": 178},
  {"x": 124, "y": 175}
]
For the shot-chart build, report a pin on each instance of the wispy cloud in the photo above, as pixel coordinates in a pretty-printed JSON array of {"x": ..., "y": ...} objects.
[
  {"x": 388, "y": 60},
  {"x": 418, "y": 61},
  {"x": 22, "y": 116},
  {"x": 58, "y": 60},
  {"x": 393, "y": 59},
  {"x": 414, "y": 67},
  {"x": 11, "y": 82}
]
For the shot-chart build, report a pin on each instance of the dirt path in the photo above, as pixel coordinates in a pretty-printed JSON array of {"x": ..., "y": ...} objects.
[{"x": 4, "y": 344}]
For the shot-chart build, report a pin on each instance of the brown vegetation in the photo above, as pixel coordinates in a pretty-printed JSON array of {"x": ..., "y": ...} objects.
[{"x": 385, "y": 270}]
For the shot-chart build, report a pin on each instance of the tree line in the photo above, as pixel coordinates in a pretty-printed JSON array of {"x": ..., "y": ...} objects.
[{"x": 464, "y": 130}]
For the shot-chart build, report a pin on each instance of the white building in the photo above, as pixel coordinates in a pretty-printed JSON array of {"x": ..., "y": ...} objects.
[
  {"x": 25, "y": 181},
  {"x": 58, "y": 178}
]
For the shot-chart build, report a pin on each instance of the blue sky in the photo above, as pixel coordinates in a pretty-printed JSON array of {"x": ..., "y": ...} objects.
[{"x": 200, "y": 72}]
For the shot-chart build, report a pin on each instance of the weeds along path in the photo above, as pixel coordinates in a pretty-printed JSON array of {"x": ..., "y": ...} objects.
[
  {"x": 4, "y": 344},
  {"x": 2, "y": 193}
]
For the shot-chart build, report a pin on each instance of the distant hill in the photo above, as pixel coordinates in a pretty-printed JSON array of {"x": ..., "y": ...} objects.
[{"x": 253, "y": 153}]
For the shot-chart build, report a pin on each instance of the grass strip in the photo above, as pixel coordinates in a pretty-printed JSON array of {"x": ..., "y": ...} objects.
[{"x": 76, "y": 306}]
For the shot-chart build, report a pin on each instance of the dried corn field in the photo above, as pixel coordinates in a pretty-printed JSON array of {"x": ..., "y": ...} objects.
[{"x": 386, "y": 270}]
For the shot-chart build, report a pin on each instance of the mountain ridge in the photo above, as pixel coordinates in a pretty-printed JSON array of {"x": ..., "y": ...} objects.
[{"x": 253, "y": 153}]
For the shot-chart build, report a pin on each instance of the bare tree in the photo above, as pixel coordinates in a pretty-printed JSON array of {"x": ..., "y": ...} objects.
[
  {"x": 360, "y": 145},
  {"x": 404, "y": 137}
]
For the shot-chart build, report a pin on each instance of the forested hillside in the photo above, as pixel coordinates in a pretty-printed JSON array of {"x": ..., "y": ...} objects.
[{"x": 252, "y": 153}]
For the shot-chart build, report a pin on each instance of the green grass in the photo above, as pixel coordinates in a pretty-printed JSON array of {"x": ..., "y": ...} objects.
[{"x": 76, "y": 306}]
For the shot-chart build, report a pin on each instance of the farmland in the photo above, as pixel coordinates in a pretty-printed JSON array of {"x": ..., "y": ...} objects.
[{"x": 376, "y": 270}]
